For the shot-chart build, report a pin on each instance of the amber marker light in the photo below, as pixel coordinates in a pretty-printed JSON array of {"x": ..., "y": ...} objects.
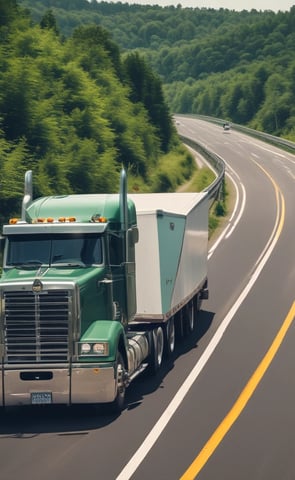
[
  {"x": 13, "y": 221},
  {"x": 98, "y": 219}
]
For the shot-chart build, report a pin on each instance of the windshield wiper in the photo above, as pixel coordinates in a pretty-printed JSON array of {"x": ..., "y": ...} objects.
[
  {"x": 68, "y": 264},
  {"x": 29, "y": 264}
]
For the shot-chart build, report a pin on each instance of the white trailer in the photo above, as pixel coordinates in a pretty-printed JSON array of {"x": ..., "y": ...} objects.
[{"x": 171, "y": 254}]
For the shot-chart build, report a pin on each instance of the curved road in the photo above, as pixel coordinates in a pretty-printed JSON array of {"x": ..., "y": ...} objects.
[{"x": 223, "y": 406}]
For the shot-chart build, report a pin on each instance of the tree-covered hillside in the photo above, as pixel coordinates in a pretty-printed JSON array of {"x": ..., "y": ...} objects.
[
  {"x": 74, "y": 112},
  {"x": 234, "y": 65}
]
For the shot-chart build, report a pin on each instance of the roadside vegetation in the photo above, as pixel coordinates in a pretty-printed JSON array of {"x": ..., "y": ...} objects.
[
  {"x": 75, "y": 111},
  {"x": 238, "y": 66},
  {"x": 219, "y": 210}
]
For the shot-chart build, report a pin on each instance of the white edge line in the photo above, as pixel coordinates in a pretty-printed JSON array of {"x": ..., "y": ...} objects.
[
  {"x": 240, "y": 212},
  {"x": 156, "y": 431},
  {"x": 224, "y": 233}
]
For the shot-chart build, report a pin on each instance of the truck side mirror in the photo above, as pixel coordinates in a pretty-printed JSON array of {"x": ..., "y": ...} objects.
[{"x": 2, "y": 243}]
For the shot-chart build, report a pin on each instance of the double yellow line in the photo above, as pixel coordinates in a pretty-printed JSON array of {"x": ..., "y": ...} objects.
[{"x": 223, "y": 428}]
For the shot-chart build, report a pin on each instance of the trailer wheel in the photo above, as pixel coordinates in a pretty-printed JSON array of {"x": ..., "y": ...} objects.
[
  {"x": 179, "y": 323},
  {"x": 190, "y": 317},
  {"x": 118, "y": 404},
  {"x": 158, "y": 349},
  {"x": 198, "y": 302},
  {"x": 170, "y": 337}
]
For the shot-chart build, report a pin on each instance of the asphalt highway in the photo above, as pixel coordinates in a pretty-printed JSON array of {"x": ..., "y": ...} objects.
[{"x": 222, "y": 407}]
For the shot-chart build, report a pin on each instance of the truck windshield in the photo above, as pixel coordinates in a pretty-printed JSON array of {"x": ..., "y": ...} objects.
[{"x": 70, "y": 250}]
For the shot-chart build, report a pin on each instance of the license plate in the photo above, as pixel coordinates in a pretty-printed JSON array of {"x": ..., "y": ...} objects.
[{"x": 41, "y": 398}]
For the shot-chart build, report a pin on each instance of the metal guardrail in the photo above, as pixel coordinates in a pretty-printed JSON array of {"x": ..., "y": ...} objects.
[
  {"x": 215, "y": 161},
  {"x": 266, "y": 137}
]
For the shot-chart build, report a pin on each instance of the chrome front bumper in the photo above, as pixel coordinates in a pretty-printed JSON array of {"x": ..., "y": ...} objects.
[{"x": 81, "y": 384}]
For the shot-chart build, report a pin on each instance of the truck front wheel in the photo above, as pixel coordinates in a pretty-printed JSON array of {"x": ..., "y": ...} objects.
[{"x": 118, "y": 404}]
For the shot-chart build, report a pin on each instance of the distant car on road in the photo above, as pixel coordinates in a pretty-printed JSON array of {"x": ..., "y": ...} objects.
[{"x": 226, "y": 127}]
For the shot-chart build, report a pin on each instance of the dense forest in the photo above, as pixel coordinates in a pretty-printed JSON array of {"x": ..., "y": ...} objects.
[
  {"x": 75, "y": 111},
  {"x": 238, "y": 66}
]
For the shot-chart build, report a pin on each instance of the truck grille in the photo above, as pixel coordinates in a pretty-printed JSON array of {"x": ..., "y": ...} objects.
[{"x": 37, "y": 326}]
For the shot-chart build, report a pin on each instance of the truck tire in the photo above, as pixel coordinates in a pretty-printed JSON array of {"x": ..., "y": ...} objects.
[
  {"x": 118, "y": 404},
  {"x": 157, "y": 350},
  {"x": 198, "y": 302},
  {"x": 179, "y": 321},
  {"x": 190, "y": 322},
  {"x": 170, "y": 337}
]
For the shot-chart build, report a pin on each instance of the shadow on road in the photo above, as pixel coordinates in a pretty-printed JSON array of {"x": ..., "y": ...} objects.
[
  {"x": 28, "y": 422},
  {"x": 146, "y": 383}
]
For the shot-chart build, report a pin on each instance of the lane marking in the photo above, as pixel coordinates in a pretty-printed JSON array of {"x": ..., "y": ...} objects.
[
  {"x": 225, "y": 233},
  {"x": 240, "y": 212},
  {"x": 266, "y": 149},
  {"x": 252, "y": 384},
  {"x": 160, "y": 425},
  {"x": 241, "y": 402}
]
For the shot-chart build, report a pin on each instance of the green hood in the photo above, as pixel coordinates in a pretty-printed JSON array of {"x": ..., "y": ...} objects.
[{"x": 74, "y": 274}]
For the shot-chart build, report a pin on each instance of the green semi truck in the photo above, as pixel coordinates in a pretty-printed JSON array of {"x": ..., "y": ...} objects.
[{"x": 94, "y": 289}]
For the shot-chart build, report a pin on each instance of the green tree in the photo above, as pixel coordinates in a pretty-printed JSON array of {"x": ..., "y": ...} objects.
[
  {"x": 147, "y": 88},
  {"x": 49, "y": 21},
  {"x": 97, "y": 45},
  {"x": 8, "y": 11}
]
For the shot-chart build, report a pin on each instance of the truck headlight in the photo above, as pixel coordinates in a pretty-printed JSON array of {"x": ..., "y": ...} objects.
[
  {"x": 97, "y": 348},
  {"x": 101, "y": 348},
  {"x": 85, "y": 348}
]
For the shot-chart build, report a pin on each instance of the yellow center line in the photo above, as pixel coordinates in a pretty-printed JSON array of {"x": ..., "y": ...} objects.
[
  {"x": 257, "y": 376},
  {"x": 241, "y": 402}
]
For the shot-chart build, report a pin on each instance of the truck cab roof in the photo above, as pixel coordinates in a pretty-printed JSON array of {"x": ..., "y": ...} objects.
[{"x": 84, "y": 208}]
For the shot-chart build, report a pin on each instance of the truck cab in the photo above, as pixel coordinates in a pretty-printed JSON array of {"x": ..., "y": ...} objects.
[
  {"x": 94, "y": 289},
  {"x": 67, "y": 293}
]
